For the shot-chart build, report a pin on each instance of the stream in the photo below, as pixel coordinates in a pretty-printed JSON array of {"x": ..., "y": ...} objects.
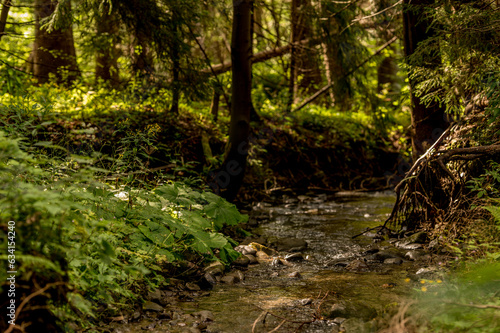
[{"x": 336, "y": 283}]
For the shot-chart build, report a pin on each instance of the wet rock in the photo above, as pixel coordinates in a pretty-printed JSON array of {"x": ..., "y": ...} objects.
[
  {"x": 290, "y": 244},
  {"x": 242, "y": 261},
  {"x": 370, "y": 251},
  {"x": 261, "y": 248},
  {"x": 337, "y": 309},
  {"x": 294, "y": 257},
  {"x": 340, "y": 264},
  {"x": 262, "y": 255},
  {"x": 409, "y": 246},
  {"x": 192, "y": 286},
  {"x": 426, "y": 272},
  {"x": 176, "y": 284},
  {"x": 294, "y": 275},
  {"x": 230, "y": 279},
  {"x": 215, "y": 268},
  {"x": 357, "y": 266},
  {"x": 155, "y": 295},
  {"x": 210, "y": 278},
  {"x": 149, "y": 327},
  {"x": 414, "y": 255},
  {"x": 339, "y": 320},
  {"x": 276, "y": 262},
  {"x": 136, "y": 315},
  {"x": 152, "y": 306},
  {"x": 393, "y": 261},
  {"x": 251, "y": 259},
  {"x": 204, "y": 315},
  {"x": 239, "y": 275},
  {"x": 305, "y": 301},
  {"x": 245, "y": 249}
]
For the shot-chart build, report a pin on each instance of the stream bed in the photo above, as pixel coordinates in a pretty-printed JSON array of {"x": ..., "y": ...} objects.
[
  {"x": 322, "y": 288},
  {"x": 329, "y": 281}
]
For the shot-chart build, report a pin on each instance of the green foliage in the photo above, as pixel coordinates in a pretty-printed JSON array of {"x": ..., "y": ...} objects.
[
  {"x": 467, "y": 302},
  {"x": 109, "y": 241},
  {"x": 466, "y": 41},
  {"x": 487, "y": 184}
]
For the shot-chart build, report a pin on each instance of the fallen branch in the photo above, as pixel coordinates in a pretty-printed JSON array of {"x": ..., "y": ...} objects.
[{"x": 261, "y": 56}]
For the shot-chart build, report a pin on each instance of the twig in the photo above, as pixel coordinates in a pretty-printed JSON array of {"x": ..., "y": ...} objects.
[
  {"x": 278, "y": 327},
  {"x": 29, "y": 297},
  {"x": 262, "y": 314}
]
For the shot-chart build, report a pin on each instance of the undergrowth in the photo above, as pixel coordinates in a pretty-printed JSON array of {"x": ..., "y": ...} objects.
[{"x": 102, "y": 244}]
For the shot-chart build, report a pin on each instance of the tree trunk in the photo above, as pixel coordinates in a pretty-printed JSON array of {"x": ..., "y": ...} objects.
[
  {"x": 3, "y": 16},
  {"x": 107, "y": 54},
  {"x": 175, "y": 65},
  {"x": 308, "y": 73},
  {"x": 229, "y": 179},
  {"x": 333, "y": 59},
  {"x": 428, "y": 122},
  {"x": 54, "y": 52},
  {"x": 214, "y": 107}
]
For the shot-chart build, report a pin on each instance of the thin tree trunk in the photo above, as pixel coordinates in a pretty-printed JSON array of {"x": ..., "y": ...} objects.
[
  {"x": 175, "y": 66},
  {"x": 3, "y": 16},
  {"x": 428, "y": 122},
  {"x": 214, "y": 107},
  {"x": 54, "y": 52},
  {"x": 228, "y": 180},
  {"x": 107, "y": 53},
  {"x": 296, "y": 33}
]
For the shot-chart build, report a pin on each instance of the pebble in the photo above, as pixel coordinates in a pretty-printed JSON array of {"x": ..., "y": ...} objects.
[
  {"x": 393, "y": 261},
  {"x": 295, "y": 275},
  {"x": 242, "y": 261}
]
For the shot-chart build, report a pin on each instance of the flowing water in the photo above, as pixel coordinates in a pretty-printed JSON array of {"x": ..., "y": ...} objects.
[
  {"x": 269, "y": 296},
  {"x": 313, "y": 295}
]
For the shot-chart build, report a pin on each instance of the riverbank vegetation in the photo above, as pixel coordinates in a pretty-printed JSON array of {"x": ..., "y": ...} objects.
[{"x": 130, "y": 131}]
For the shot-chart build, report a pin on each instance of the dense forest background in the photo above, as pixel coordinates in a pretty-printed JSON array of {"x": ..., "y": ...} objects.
[{"x": 113, "y": 112}]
